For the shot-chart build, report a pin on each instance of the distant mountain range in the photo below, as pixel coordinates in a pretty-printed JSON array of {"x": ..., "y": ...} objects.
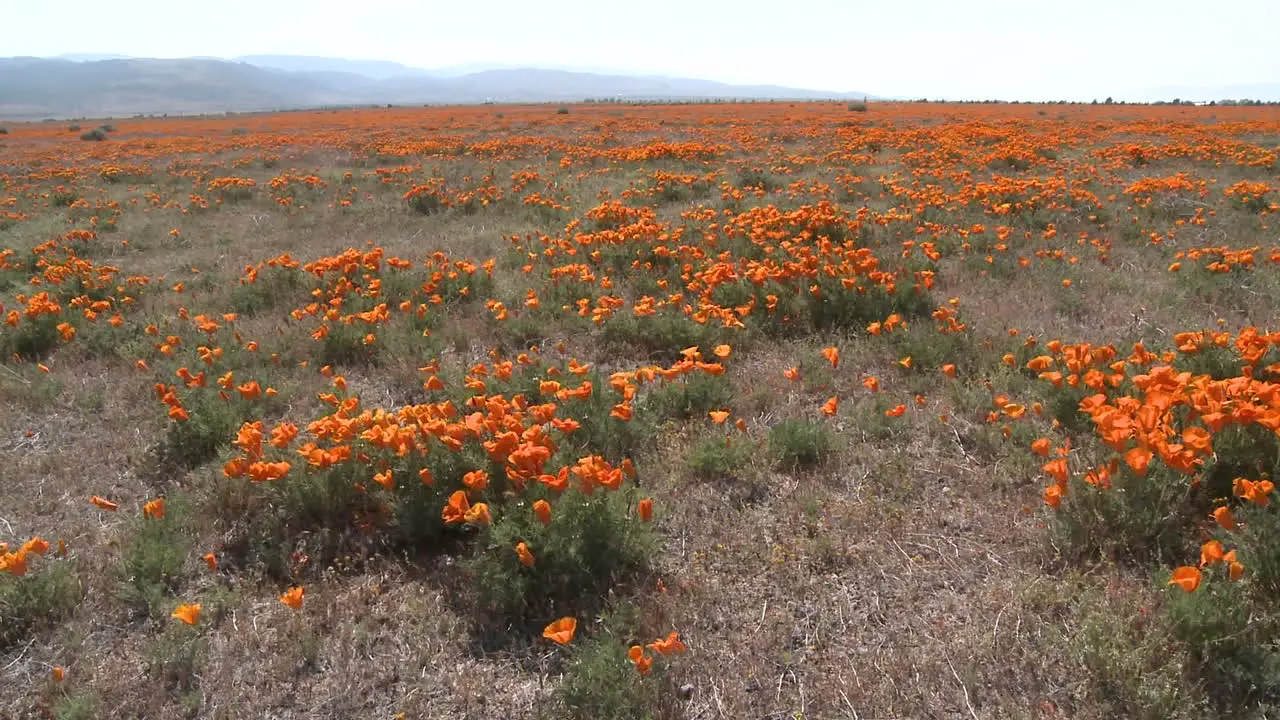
[{"x": 88, "y": 85}]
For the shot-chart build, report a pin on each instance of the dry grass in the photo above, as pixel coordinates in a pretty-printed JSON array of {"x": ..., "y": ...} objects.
[{"x": 909, "y": 575}]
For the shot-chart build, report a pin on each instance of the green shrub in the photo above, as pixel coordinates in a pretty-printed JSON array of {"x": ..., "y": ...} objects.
[
  {"x": 210, "y": 425},
  {"x": 858, "y": 106},
  {"x": 94, "y": 135},
  {"x": 49, "y": 592},
  {"x": 1138, "y": 519},
  {"x": 1231, "y": 642},
  {"x": 799, "y": 443},
  {"x": 711, "y": 458},
  {"x": 562, "y": 110},
  {"x": 4, "y": 130},
  {"x": 32, "y": 340},
  {"x": 176, "y": 656},
  {"x": 76, "y": 706},
  {"x": 592, "y": 542},
  {"x": 267, "y": 292},
  {"x": 1132, "y": 671},
  {"x": 602, "y": 684},
  {"x": 73, "y": 128},
  {"x": 692, "y": 397},
  {"x": 151, "y": 565}
]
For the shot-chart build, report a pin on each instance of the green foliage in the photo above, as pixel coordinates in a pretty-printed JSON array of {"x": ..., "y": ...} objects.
[
  {"x": 345, "y": 345},
  {"x": 94, "y": 135},
  {"x": 210, "y": 425},
  {"x": 835, "y": 308},
  {"x": 32, "y": 340},
  {"x": 151, "y": 565},
  {"x": 1257, "y": 544},
  {"x": 711, "y": 458},
  {"x": 659, "y": 337},
  {"x": 1133, "y": 672},
  {"x": 691, "y": 397},
  {"x": 267, "y": 292},
  {"x": 1138, "y": 519},
  {"x": 858, "y": 106},
  {"x": 602, "y": 684},
  {"x": 49, "y": 592},
  {"x": 800, "y": 443},
  {"x": 592, "y": 543},
  {"x": 76, "y": 706},
  {"x": 1231, "y": 641},
  {"x": 562, "y": 110},
  {"x": 175, "y": 657}
]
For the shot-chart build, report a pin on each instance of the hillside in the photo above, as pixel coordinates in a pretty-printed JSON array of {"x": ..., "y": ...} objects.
[{"x": 39, "y": 88}]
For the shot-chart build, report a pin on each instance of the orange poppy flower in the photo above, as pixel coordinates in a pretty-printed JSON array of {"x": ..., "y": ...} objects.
[
  {"x": 718, "y": 416},
  {"x": 949, "y": 370},
  {"x": 1211, "y": 553},
  {"x": 832, "y": 354},
  {"x": 791, "y": 373},
  {"x": 1041, "y": 447},
  {"x": 871, "y": 383},
  {"x": 189, "y": 614},
  {"x": 1224, "y": 518},
  {"x": 643, "y": 662},
  {"x": 104, "y": 504},
  {"x": 644, "y": 509},
  {"x": 525, "y": 556},
  {"x": 211, "y": 560},
  {"x": 561, "y": 631},
  {"x": 669, "y": 645},
  {"x": 831, "y": 406},
  {"x": 896, "y": 410},
  {"x": 723, "y": 351},
  {"x": 58, "y": 674},
  {"x": 153, "y": 509},
  {"x": 1186, "y": 577},
  {"x": 476, "y": 480},
  {"x": 293, "y": 597}
]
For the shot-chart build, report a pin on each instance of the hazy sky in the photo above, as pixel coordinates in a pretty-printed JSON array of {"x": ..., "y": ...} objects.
[{"x": 1008, "y": 49}]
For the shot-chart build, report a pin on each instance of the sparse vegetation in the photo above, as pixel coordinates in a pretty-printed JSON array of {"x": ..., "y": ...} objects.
[{"x": 445, "y": 412}]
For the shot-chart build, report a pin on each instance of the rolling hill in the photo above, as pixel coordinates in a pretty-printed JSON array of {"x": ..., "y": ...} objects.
[{"x": 42, "y": 88}]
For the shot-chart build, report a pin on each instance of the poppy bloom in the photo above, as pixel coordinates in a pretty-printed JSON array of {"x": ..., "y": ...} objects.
[
  {"x": 476, "y": 480},
  {"x": 644, "y": 509},
  {"x": 189, "y": 614},
  {"x": 723, "y": 351},
  {"x": 1186, "y": 577},
  {"x": 669, "y": 645},
  {"x": 561, "y": 631},
  {"x": 542, "y": 509},
  {"x": 1224, "y": 518},
  {"x": 792, "y": 373},
  {"x": 211, "y": 560},
  {"x": 872, "y": 383},
  {"x": 831, "y": 406},
  {"x": 154, "y": 509},
  {"x": 293, "y": 597},
  {"x": 643, "y": 662},
  {"x": 832, "y": 354},
  {"x": 896, "y": 410},
  {"x": 104, "y": 504},
  {"x": 525, "y": 556},
  {"x": 718, "y": 416},
  {"x": 58, "y": 674}
]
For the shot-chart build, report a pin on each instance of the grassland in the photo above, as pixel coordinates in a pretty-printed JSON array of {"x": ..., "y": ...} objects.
[{"x": 911, "y": 412}]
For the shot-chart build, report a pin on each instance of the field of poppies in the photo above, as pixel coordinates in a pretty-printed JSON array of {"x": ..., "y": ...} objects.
[{"x": 605, "y": 411}]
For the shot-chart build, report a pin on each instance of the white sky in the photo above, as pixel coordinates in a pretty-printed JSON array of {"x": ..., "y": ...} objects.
[{"x": 1005, "y": 49}]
